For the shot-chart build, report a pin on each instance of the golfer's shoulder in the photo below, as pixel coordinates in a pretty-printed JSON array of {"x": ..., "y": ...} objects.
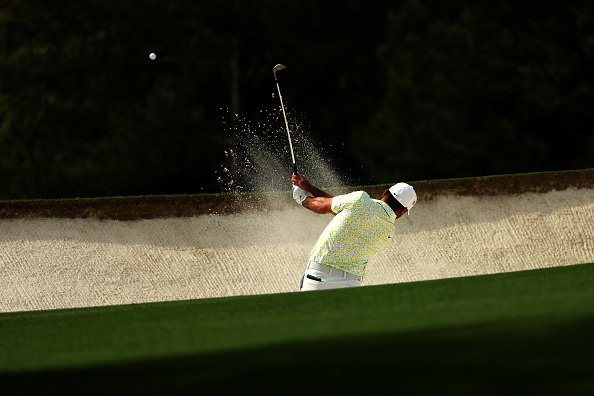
[
  {"x": 353, "y": 201},
  {"x": 355, "y": 196}
]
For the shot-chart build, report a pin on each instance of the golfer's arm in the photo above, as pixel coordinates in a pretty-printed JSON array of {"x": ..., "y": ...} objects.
[{"x": 320, "y": 205}]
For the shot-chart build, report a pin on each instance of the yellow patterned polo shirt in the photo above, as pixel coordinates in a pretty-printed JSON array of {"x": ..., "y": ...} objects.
[{"x": 361, "y": 227}]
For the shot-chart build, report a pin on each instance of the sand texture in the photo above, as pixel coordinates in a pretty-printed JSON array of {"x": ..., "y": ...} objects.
[{"x": 54, "y": 262}]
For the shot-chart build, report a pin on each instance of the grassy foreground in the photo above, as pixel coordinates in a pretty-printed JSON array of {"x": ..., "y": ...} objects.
[{"x": 517, "y": 333}]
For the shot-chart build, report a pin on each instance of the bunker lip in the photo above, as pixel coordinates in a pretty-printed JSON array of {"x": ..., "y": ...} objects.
[{"x": 137, "y": 208}]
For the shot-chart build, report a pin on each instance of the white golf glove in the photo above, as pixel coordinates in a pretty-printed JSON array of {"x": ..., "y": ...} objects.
[{"x": 299, "y": 194}]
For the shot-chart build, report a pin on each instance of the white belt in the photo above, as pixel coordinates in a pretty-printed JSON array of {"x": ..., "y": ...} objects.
[{"x": 334, "y": 272}]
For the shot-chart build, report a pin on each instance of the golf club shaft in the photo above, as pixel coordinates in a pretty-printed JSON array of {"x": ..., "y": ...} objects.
[
  {"x": 288, "y": 131},
  {"x": 286, "y": 123}
]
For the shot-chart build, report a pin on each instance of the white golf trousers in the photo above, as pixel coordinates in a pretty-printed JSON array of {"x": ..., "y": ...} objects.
[{"x": 322, "y": 277}]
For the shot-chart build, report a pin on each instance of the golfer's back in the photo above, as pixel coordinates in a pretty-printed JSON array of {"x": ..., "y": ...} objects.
[{"x": 361, "y": 227}]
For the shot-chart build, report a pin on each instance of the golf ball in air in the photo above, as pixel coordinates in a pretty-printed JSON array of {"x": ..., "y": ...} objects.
[{"x": 153, "y": 56}]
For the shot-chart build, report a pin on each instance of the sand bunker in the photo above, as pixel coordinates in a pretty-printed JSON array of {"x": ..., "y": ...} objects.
[{"x": 50, "y": 263}]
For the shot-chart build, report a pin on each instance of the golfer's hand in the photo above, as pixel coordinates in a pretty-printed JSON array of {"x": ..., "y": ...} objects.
[
  {"x": 299, "y": 194},
  {"x": 301, "y": 181}
]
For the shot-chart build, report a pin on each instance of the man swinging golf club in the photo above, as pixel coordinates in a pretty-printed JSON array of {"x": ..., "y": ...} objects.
[
  {"x": 362, "y": 225},
  {"x": 360, "y": 228}
]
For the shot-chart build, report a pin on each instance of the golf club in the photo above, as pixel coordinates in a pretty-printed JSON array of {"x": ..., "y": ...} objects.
[{"x": 274, "y": 70}]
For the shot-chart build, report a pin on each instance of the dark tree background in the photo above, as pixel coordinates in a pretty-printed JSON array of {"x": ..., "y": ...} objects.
[{"x": 405, "y": 90}]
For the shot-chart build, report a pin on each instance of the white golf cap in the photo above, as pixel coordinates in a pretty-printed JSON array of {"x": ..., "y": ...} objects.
[{"x": 405, "y": 194}]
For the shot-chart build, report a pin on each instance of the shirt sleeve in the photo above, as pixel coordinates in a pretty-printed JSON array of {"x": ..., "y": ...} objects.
[{"x": 342, "y": 202}]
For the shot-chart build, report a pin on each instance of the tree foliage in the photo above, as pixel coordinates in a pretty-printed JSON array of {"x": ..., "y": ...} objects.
[
  {"x": 406, "y": 90},
  {"x": 475, "y": 88}
]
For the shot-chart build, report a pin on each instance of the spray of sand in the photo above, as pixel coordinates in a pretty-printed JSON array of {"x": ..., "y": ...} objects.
[{"x": 260, "y": 160}]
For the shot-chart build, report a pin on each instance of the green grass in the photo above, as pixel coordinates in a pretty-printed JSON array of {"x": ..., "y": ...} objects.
[{"x": 516, "y": 333}]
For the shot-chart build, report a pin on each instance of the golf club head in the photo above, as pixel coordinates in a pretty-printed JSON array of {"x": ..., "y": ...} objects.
[{"x": 277, "y": 68}]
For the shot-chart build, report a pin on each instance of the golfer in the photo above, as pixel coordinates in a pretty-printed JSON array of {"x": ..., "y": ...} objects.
[{"x": 362, "y": 226}]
